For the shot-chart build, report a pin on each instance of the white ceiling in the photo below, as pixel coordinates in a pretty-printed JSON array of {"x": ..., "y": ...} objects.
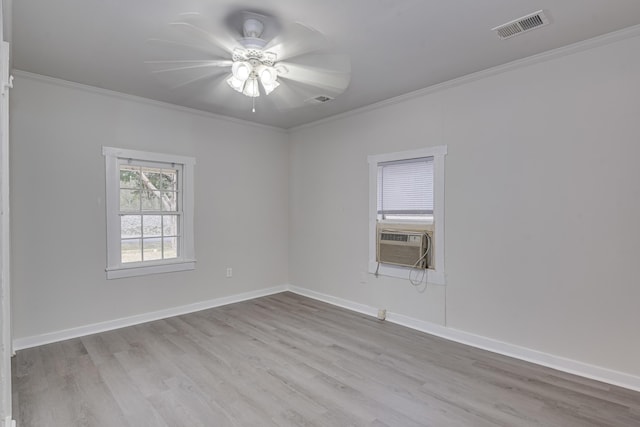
[{"x": 396, "y": 46}]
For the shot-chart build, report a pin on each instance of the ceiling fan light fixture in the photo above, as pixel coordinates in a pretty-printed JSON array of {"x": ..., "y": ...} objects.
[
  {"x": 241, "y": 70},
  {"x": 251, "y": 88},
  {"x": 269, "y": 87},
  {"x": 268, "y": 75},
  {"x": 235, "y": 83}
]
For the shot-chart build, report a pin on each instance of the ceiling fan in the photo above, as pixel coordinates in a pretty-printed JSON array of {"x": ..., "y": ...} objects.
[{"x": 250, "y": 54}]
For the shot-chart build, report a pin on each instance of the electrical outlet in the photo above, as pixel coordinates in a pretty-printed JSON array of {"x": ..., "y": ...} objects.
[
  {"x": 229, "y": 272},
  {"x": 382, "y": 314}
]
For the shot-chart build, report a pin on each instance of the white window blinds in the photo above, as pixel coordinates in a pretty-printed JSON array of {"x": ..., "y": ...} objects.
[{"x": 405, "y": 188}]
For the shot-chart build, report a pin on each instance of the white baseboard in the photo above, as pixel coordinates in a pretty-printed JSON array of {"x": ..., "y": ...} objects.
[
  {"x": 571, "y": 366},
  {"x": 349, "y": 305},
  {"x": 8, "y": 422},
  {"x": 50, "y": 337}
]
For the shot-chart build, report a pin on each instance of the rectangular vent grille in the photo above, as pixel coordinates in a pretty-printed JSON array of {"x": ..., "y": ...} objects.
[
  {"x": 401, "y": 255},
  {"x": 531, "y": 23},
  {"x": 320, "y": 99},
  {"x": 394, "y": 237},
  {"x": 522, "y": 25}
]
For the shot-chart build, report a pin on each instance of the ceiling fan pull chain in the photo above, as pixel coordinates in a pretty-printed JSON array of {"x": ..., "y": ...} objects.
[{"x": 253, "y": 110}]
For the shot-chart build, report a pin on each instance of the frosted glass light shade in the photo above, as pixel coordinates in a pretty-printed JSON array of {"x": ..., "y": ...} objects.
[
  {"x": 268, "y": 88},
  {"x": 241, "y": 70},
  {"x": 251, "y": 88},
  {"x": 235, "y": 83},
  {"x": 268, "y": 75}
]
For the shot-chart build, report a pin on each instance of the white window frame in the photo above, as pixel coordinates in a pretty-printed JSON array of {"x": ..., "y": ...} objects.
[
  {"x": 186, "y": 261},
  {"x": 436, "y": 274}
]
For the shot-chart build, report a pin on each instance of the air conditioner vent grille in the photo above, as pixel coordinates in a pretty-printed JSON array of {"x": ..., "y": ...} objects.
[
  {"x": 320, "y": 99},
  {"x": 530, "y": 23},
  {"x": 508, "y": 31},
  {"x": 522, "y": 25},
  {"x": 394, "y": 237}
]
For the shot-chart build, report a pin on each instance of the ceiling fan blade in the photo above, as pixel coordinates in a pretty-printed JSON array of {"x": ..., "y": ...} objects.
[
  {"x": 287, "y": 96},
  {"x": 193, "y": 80},
  {"x": 192, "y": 36},
  {"x": 216, "y": 92},
  {"x": 330, "y": 73},
  {"x": 197, "y": 39},
  {"x": 196, "y": 26},
  {"x": 179, "y": 73},
  {"x": 191, "y": 51},
  {"x": 295, "y": 40},
  {"x": 158, "y": 49},
  {"x": 164, "y": 66}
]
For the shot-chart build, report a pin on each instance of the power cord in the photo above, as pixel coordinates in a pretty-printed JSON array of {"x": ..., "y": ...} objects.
[{"x": 421, "y": 271}]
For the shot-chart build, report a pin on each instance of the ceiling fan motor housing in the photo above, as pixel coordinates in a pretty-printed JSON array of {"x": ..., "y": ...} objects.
[
  {"x": 252, "y": 28},
  {"x": 252, "y": 31}
]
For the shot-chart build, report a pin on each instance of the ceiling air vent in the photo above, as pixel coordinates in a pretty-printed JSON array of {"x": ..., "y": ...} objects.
[
  {"x": 320, "y": 99},
  {"x": 521, "y": 25}
]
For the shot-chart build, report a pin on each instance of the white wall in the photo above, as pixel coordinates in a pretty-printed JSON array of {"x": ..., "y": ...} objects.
[
  {"x": 542, "y": 201},
  {"x": 58, "y": 189},
  {"x": 542, "y": 205}
]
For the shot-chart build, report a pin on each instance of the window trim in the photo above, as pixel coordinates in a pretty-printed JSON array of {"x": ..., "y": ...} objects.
[
  {"x": 437, "y": 274},
  {"x": 115, "y": 268}
]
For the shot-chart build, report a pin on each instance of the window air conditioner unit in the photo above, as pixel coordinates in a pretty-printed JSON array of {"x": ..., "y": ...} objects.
[{"x": 404, "y": 248}]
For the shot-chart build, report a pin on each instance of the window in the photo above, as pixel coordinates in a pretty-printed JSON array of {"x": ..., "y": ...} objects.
[
  {"x": 406, "y": 190},
  {"x": 149, "y": 213}
]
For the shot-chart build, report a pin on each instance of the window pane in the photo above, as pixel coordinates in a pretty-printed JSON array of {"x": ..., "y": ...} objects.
[
  {"x": 130, "y": 226},
  {"x": 129, "y": 176},
  {"x": 170, "y": 247},
  {"x": 129, "y": 200},
  {"x": 169, "y": 180},
  {"x": 131, "y": 250},
  {"x": 151, "y": 178},
  {"x": 406, "y": 187},
  {"x": 170, "y": 225},
  {"x": 152, "y": 249},
  {"x": 169, "y": 202},
  {"x": 152, "y": 226},
  {"x": 150, "y": 201}
]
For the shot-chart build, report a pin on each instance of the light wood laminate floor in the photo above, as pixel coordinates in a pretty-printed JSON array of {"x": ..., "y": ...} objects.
[{"x": 286, "y": 360}]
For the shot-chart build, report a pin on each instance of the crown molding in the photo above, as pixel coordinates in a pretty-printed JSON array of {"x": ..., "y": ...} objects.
[
  {"x": 563, "y": 51},
  {"x": 592, "y": 43},
  {"x": 140, "y": 100}
]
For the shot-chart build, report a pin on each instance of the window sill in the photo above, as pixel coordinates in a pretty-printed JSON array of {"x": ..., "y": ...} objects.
[
  {"x": 143, "y": 270},
  {"x": 389, "y": 270}
]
